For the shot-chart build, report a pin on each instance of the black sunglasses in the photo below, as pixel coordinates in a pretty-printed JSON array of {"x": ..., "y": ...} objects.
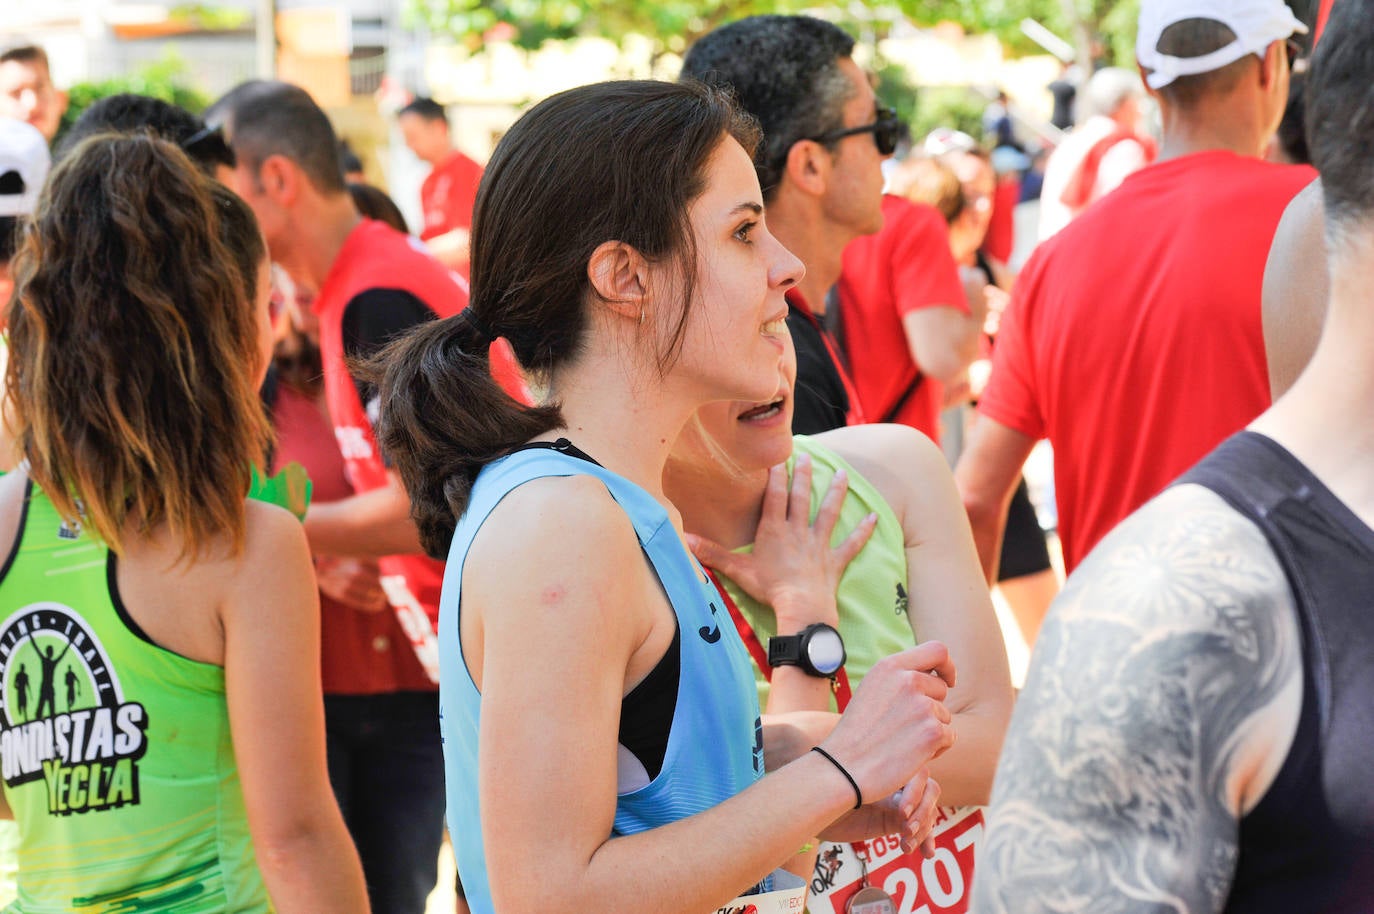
[
  {"x": 208, "y": 145},
  {"x": 886, "y": 129}
]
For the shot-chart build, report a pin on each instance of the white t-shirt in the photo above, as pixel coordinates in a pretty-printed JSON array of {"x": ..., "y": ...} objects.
[{"x": 1067, "y": 158}]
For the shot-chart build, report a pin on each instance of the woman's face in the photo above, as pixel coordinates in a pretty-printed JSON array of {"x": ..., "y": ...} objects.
[
  {"x": 980, "y": 186},
  {"x": 735, "y": 333},
  {"x": 755, "y": 434}
]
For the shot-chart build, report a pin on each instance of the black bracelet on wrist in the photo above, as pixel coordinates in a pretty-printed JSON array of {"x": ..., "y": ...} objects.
[{"x": 858, "y": 794}]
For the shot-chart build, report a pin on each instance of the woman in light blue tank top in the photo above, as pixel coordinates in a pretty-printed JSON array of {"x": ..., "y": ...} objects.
[{"x": 602, "y": 738}]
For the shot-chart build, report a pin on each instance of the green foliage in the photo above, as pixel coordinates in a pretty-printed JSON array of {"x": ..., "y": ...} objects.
[
  {"x": 959, "y": 107},
  {"x": 165, "y": 78},
  {"x": 1117, "y": 26},
  {"x": 896, "y": 90},
  {"x": 210, "y": 18},
  {"x": 674, "y": 24},
  {"x": 1001, "y": 18},
  {"x": 923, "y": 108}
]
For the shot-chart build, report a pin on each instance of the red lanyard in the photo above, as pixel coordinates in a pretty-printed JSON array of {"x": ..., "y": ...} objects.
[{"x": 839, "y": 683}]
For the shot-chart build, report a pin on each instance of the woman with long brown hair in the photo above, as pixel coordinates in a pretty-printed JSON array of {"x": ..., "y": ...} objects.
[
  {"x": 602, "y": 738},
  {"x": 162, "y": 735}
]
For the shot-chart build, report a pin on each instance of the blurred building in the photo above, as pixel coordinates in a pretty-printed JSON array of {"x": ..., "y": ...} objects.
[{"x": 89, "y": 40}]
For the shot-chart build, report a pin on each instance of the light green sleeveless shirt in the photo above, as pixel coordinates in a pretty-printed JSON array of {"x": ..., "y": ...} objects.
[
  {"x": 116, "y": 753},
  {"x": 873, "y": 590}
]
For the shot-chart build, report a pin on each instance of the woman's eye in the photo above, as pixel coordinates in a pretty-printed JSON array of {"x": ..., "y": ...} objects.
[{"x": 743, "y": 232}]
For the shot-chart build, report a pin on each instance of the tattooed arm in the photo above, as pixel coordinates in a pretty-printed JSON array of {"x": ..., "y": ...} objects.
[{"x": 1162, "y": 699}]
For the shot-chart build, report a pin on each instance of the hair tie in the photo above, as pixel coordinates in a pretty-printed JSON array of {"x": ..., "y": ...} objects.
[
  {"x": 476, "y": 325},
  {"x": 858, "y": 794}
]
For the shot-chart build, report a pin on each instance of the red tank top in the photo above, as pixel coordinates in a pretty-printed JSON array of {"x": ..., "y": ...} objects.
[{"x": 376, "y": 256}]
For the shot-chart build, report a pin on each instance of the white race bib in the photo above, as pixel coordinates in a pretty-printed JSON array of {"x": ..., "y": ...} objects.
[{"x": 788, "y": 897}]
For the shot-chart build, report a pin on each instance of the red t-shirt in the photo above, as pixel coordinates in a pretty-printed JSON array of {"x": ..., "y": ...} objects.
[
  {"x": 361, "y": 653},
  {"x": 1133, "y": 339},
  {"x": 1000, "y": 241},
  {"x": 904, "y": 268},
  {"x": 448, "y": 194}
]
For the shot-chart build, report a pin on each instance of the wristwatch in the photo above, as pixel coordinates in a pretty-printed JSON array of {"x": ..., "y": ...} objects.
[{"x": 818, "y": 649}]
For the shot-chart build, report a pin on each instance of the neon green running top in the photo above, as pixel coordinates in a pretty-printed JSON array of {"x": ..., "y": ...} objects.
[
  {"x": 872, "y": 597},
  {"x": 116, "y": 753}
]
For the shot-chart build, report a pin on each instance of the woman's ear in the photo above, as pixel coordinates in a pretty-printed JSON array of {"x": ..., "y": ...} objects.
[{"x": 619, "y": 277}]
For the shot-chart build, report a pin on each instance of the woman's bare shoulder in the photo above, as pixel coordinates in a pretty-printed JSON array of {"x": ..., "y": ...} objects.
[
  {"x": 555, "y": 524},
  {"x": 892, "y": 457}
]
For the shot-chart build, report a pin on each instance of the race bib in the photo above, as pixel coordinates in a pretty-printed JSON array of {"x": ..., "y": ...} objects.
[
  {"x": 788, "y": 897},
  {"x": 939, "y": 885}
]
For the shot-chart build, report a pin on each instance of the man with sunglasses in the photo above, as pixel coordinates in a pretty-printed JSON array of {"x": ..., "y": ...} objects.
[
  {"x": 1133, "y": 339},
  {"x": 820, "y": 168}
]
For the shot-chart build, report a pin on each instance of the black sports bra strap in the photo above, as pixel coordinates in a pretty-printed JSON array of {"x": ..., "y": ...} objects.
[{"x": 562, "y": 445}]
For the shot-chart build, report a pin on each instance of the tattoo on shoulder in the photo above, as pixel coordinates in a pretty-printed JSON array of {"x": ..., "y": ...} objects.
[{"x": 1111, "y": 794}]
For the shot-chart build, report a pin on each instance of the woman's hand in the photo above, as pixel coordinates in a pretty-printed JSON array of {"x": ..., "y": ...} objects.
[
  {"x": 910, "y": 813},
  {"x": 356, "y": 583},
  {"x": 897, "y": 722},
  {"x": 793, "y": 568}
]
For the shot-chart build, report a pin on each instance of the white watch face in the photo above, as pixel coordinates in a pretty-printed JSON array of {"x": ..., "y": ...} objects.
[{"x": 825, "y": 650}]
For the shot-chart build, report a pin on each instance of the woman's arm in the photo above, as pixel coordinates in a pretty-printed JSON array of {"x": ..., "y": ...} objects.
[
  {"x": 555, "y": 628},
  {"x": 271, "y": 624},
  {"x": 369, "y": 524},
  {"x": 949, "y": 598}
]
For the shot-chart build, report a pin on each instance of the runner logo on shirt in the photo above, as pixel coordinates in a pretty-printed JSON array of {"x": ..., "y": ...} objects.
[{"x": 63, "y": 717}]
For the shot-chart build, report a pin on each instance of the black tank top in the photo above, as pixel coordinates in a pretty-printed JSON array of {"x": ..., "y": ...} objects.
[{"x": 1308, "y": 846}]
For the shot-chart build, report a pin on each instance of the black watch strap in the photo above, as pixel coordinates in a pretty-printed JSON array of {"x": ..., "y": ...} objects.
[
  {"x": 785, "y": 650},
  {"x": 792, "y": 650}
]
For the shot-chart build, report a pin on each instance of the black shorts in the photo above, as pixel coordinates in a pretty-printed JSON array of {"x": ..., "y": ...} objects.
[{"x": 1023, "y": 545}]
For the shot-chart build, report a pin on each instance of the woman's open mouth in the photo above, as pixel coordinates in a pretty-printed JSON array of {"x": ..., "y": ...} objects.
[{"x": 763, "y": 411}]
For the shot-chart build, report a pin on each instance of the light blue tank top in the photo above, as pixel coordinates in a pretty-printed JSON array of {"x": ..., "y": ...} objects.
[{"x": 715, "y": 746}]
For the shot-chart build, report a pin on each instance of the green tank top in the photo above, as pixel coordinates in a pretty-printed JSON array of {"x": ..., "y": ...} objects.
[
  {"x": 872, "y": 597},
  {"x": 116, "y": 753}
]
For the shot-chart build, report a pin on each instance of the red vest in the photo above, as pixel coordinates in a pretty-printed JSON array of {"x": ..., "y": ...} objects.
[{"x": 376, "y": 256}]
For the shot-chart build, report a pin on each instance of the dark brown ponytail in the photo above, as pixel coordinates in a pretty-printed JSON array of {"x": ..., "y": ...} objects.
[{"x": 443, "y": 418}]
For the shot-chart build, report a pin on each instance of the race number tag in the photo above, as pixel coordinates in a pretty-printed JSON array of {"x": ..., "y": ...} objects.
[
  {"x": 916, "y": 885},
  {"x": 788, "y": 897}
]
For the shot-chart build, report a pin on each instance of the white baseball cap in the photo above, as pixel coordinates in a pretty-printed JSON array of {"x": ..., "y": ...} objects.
[
  {"x": 24, "y": 163},
  {"x": 944, "y": 140},
  {"x": 1256, "y": 24}
]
